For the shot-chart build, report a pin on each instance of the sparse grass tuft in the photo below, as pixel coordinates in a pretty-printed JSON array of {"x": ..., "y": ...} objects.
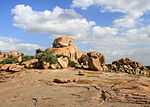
[{"x": 84, "y": 81}]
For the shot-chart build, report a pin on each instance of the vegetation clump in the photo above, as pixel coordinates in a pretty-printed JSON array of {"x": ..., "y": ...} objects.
[
  {"x": 9, "y": 61},
  {"x": 46, "y": 56},
  {"x": 27, "y": 58}
]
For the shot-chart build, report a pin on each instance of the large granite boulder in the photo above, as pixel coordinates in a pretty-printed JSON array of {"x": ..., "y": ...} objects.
[
  {"x": 63, "y": 62},
  {"x": 96, "y": 60},
  {"x": 97, "y": 55},
  {"x": 62, "y": 41}
]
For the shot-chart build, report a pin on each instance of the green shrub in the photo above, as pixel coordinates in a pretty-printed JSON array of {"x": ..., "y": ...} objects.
[
  {"x": 72, "y": 63},
  {"x": 38, "y": 51},
  {"x": 9, "y": 61},
  {"x": 64, "y": 56},
  {"x": 27, "y": 58},
  {"x": 47, "y": 56}
]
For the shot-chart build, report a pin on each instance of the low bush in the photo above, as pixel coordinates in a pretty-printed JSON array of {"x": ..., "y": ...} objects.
[
  {"x": 9, "y": 61},
  {"x": 27, "y": 58}
]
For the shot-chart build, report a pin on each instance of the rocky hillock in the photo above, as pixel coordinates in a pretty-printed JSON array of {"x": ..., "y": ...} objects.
[
  {"x": 63, "y": 55},
  {"x": 129, "y": 66}
]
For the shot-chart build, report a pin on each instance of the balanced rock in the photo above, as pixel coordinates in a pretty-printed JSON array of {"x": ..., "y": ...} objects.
[{"x": 62, "y": 41}]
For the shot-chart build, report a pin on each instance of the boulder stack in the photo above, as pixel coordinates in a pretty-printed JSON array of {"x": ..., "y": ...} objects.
[
  {"x": 129, "y": 66},
  {"x": 94, "y": 60},
  {"x": 62, "y": 41},
  {"x": 62, "y": 46}
]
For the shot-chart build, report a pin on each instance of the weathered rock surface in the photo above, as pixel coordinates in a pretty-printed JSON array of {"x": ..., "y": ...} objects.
[
  {"x": 94, "y": 64},
  {"x": 55, "y": 66},
  {"x": 30, "y": 64},
  {"x": 63, "y": 62},
  {"x": 32, "y": 88},
  {"x": 11, "y": 67},
  {"x": 15, "y": 68},
  {"x": 81, "y": 73},
  {"x": 62, "y": 41}
]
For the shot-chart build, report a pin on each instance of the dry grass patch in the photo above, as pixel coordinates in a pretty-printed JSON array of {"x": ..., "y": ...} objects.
[
  {"x": 110, "y": 81},
  {"x": 84, "y": 81}
]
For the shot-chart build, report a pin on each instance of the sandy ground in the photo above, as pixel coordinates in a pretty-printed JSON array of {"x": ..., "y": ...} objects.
[{"x": 35, "y": 88}]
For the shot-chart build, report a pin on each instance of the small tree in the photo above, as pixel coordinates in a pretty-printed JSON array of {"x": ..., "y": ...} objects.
[
  {"x": 38, "y": 51},
  {"x": 46, "y": 56}
]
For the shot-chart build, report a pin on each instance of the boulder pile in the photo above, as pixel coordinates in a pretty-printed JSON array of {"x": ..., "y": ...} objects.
[
  {"x": 62, "y": 46},
  {"x": 93, "y": 60},
  {"x": 129, "y": 66}
]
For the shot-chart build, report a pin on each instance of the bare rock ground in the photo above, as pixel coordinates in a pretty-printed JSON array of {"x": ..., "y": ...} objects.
[{"x": 36, "y": 88}]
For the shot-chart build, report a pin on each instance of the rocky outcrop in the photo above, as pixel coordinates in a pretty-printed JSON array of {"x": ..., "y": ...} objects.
[
  {"x": 62, "y": 41},
  {"x": 129, "y": 66},
  {"x": 12, "y": 54},
  {"x": 94, "y": 60}
]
